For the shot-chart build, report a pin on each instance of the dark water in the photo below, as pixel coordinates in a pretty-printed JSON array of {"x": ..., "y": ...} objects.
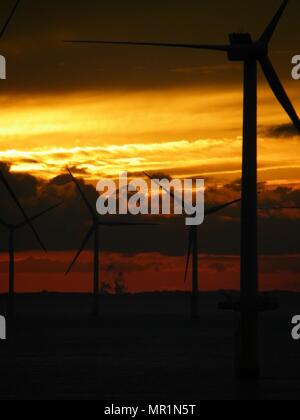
[{"x": 141, "y": 347}]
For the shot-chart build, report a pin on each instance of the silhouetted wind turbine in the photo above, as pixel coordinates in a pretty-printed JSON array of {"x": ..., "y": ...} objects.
[
  {"x": 94, "y": 232},
  {"x": 193, "y": 250},
  {"x": 243, "y": 48},
  {"x": 27, "y": 220},
  {"x": 24, "y": 214},
  {"x": 9, "y": 18},
  {"x": 12, "y": 228}
]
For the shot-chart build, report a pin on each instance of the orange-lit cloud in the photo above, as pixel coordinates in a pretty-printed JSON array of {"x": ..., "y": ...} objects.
[{"x": 188, "y": 131}]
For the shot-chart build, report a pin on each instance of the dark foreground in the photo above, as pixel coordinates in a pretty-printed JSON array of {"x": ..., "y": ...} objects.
[{"x": 142, "y": 347}]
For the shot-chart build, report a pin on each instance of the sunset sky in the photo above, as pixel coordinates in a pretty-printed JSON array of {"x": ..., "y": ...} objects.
[
  {"x": 106, "y": 109},
  {"x": 102, "y": 110}
]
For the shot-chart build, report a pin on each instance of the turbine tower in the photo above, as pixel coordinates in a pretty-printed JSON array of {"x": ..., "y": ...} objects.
[
  {"x": 9, "y": 18},
  {"x": 244, "y": 49},
  {"x": 94, "y": 232},
  {"x": 193, "y": 250},
  {"x": 12, "y": 228}
]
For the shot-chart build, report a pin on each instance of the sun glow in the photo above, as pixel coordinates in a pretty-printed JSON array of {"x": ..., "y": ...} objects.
[{"x": 185, "y": 133}]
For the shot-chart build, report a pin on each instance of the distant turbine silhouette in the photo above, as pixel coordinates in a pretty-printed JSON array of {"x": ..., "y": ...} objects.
[
  {"x": 9, "y": 18},
  {"x": 94, "y": 231},
  {"x": 243, "y": 48},
  {"x": 193, "y": 250},
  {"x": 18, "y": 204},
  {"x": 12, "y": 228},
  {"x": 28, "y": 221}
]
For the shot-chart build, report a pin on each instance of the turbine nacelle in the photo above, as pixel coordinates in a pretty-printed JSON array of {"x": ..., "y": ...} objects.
[{"x": 242, "y": 47}]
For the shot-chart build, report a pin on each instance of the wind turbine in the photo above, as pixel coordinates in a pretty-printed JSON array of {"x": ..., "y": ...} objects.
[
  {"x": 12, "y": 228},
  {"x": 242, "y": 48},
  {"x": 27, "y": 221},
  {"x": 9, "y": 18},
  {"x": 193, "y": 250},
  {"x": 24, "y": 214},
  {"x": 94, "y": 232}
]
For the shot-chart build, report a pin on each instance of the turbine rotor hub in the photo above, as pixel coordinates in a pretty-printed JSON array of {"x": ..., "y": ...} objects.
[{"x": 243, "y": 48}]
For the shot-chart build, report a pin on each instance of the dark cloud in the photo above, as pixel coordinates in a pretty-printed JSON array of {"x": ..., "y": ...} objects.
[
  {"x": 281, "y": 131},
  {"x": 65, "y": 227},
  {"x": 60, "y": 180}
]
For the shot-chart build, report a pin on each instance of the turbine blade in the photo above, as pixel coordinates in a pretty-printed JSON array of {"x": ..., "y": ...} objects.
[
  {"x": 225, "y": 48},
  {"x": 221, "y": 207},
  {"x": 86, "y": 201},
  {"x": 85, "y": 241},
  {"x": 11, "y": 15},
  {"x": 279, "y": 91},
  {"x": 18, "y": 204},
  {"x": 37, "y": 216},
  {"x": 269, "y": 31},
  {"x": 190, "y": 245}
]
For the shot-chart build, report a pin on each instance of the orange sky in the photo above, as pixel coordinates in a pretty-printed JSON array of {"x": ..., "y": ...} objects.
[
  {"x": 184, "y": 131},
  {"x": 110, "y": 109},
  {"x": 146, "y": 272}
]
